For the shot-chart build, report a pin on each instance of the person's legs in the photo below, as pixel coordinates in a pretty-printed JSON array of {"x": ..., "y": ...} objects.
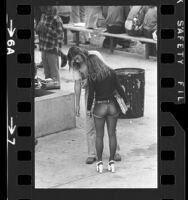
[
  {"x": 116, "y": 29},
  {"x": 111, "y": 121},
  {"x": 99, "y": 113},
  {"x": 75, "y": 18},
  {"x": 152, "y": 47},
  {"x": 82, "y": 12},
  {"x": 118, "y": 148},
  {"x": 99, "y": 125},
  {"x": 111, "y": 126},
  {"x": 45, "y": 65},
  {"x": 91, "y": 138},
  {"x": 91, "y": 135},
  {"x": 75, "y": 14},
  {"x": 53, "y": 62},
  {"x": 117, "y": 156}
]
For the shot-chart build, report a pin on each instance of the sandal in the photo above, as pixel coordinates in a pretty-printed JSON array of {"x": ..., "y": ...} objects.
[
  {"x": 111, "y": 166},
  {"x": 100, "y": 166}
]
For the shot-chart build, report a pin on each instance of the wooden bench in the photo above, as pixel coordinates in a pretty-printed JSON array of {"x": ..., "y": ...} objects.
[
  {"x": 78, "y": 29},
  {"x": 146, "y": 41}
]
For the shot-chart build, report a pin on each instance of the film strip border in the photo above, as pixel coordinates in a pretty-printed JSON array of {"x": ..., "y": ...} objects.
[{"x": 20, "y": 102}]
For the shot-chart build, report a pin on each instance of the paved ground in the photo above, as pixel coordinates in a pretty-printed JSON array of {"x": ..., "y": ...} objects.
[{"x": 60, "y": 157}]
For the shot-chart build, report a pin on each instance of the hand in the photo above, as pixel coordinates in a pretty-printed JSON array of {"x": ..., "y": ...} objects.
[
  {"x": 89, "y": 113},
  {"x": 78, "y": 111}
]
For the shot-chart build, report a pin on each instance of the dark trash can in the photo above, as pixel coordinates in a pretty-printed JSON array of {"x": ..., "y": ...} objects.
[{"x": 133, "y": 82}]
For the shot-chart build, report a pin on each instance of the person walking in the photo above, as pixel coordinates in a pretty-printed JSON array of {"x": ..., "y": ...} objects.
[{"x": 76, "y": 53}]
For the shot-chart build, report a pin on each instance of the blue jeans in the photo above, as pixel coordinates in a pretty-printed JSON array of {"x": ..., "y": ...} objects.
[{"x": 105, "y": 113}]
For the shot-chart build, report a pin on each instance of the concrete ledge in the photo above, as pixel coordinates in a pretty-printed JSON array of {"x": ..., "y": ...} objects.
[{"x": 54, "y": 112}]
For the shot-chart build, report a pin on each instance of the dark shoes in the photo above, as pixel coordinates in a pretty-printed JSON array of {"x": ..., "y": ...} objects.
[
  {"x": 117, "y": 157},
  {"x": 90, "y": 160}
]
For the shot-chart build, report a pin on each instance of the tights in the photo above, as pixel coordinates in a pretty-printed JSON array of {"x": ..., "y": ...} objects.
[{"x": 111, "y": 127}]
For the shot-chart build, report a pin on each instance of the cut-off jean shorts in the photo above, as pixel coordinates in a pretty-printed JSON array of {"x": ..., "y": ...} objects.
[{"x": 105, "y": 109}]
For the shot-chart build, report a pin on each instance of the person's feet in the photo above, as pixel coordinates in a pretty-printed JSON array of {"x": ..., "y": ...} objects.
[
  {"x": 117, "y": 157},
  {"x": 111, "y": 166},
  {"x": 90, "y": 160},
  {"x": 100, "y": 166}
]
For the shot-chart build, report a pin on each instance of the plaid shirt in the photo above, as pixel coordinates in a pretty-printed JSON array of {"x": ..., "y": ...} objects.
[{"x": 50, "y": 31}]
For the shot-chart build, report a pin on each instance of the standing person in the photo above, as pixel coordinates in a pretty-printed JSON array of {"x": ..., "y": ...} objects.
[
  {"x": 94, "y": 17},
  {"x": 150, "y": 27},
  {"x": 79, "y": 15},
  {"x": 134, "y": 22},
  {"x": 50, "y": 31},
  {"x": 76, "y": 53},
  {"x": 115, "y": 20},
  {"x": 150, "y": 21},
  {"x": 103, "y": 82}
]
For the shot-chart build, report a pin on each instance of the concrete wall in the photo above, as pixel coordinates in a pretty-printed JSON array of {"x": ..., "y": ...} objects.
[{"x": 54, "y": 112}]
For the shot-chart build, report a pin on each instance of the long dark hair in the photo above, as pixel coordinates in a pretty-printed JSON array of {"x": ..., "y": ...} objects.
[{"x": 97, "y": 69}]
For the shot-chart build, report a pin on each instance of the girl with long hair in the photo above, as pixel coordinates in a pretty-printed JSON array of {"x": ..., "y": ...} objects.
[
  {"x": 103, "y": 82},
  {"x": 76, "y": 56}
]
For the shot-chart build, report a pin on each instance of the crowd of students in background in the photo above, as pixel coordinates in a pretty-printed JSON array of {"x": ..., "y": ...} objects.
[{"x": 133, "y": 20}]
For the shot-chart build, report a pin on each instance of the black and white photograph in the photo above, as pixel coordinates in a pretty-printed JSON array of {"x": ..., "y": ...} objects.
[{"x": 96, "y": 101}]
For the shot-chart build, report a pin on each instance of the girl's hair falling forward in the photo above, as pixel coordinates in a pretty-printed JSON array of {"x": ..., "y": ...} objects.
[
  {"x": 97, "y": 69},
  {"x": 73, "y": 51}
]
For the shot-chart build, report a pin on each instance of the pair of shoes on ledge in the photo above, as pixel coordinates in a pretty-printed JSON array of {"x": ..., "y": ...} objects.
[{"x": 50, "y": 84}]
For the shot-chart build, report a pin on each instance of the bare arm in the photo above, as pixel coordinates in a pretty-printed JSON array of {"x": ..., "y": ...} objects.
[
  {"x": 77, "y": 89},
  {"x": 90, "y": 95}
]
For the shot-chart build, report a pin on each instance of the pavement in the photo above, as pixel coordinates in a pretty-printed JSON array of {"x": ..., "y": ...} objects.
[{"x": 60, "y": 157}]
